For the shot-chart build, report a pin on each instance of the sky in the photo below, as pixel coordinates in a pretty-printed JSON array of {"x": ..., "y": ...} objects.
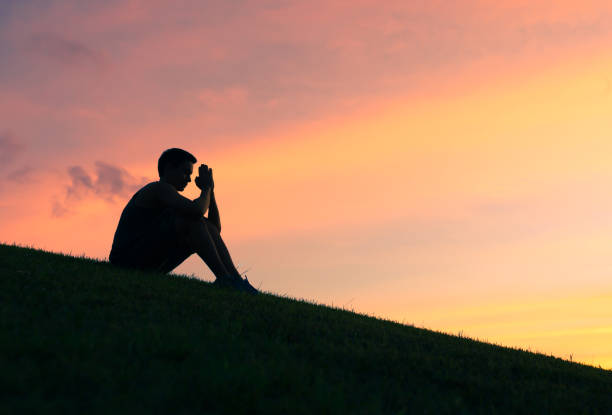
[{"x": 441, "y": 164}]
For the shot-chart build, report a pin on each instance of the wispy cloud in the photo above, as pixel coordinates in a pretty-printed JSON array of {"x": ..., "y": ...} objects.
[
  {"x": 114, "y": 181},
  {"x": 81, "y": 183},
  {"x": 63, "y": 50},
  {"x": 226, "y": 68},
  {"x": 21, "y": 175},
  {"x": 109, "y": 183},
  {"x": 10, "y": 149}
]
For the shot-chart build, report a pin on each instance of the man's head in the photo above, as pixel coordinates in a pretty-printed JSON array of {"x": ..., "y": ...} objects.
[{"x": 175, "y": 166}]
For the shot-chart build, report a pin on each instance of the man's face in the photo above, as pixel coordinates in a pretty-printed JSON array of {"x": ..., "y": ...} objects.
[{"x": 180, "y": 175}]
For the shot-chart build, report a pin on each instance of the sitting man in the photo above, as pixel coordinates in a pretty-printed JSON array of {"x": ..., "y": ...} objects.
[{"x": 159, "y": 228}]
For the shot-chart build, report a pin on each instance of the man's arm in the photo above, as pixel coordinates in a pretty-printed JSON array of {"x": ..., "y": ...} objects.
[
  {"x": 213, "y": 211},
  {"x": 170, "y": 197},
  {"x": 203, "y": 201}
]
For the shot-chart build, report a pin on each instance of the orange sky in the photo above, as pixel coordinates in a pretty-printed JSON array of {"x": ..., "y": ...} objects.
[{"x": 445, "y": 166}]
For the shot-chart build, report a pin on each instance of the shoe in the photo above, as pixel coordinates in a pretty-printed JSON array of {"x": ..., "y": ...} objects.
[
  {"x": 246, "y": 286},
  {"x": 238, "y": 284}
]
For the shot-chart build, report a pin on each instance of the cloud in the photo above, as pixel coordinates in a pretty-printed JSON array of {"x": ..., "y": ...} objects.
[
  {"x": 109, "y": 183},
  {"x": 113, "y": 181},
  {"x": 10, "y": 149},
  {"x": 81, "y": 183},
  {"x": 21, "y": 175},
  {"x": 63, "y": 50},
  {"x": 227, "y": 69},
  {"x": 59, "y": 209}
]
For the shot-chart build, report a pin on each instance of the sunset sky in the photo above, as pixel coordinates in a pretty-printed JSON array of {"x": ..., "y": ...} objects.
[{"x": 442, "y": 164}]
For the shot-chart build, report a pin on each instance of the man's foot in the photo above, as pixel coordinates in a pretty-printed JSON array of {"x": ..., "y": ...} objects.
[
  {"x": 247, "y": 287},
  {"x": 236, "y": 283}
]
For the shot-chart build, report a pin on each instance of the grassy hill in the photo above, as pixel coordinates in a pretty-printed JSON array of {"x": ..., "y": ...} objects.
[{"x": 81, "y": 336}]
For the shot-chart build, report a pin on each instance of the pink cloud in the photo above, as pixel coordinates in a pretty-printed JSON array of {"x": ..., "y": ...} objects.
[
  {"x": 111, "y": 183},
  {"x": 64, "y": 51},
  {"x": 286, "y": 70}
]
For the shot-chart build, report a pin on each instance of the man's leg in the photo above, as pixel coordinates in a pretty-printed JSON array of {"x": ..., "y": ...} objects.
[
  {"x": 221, "y": 248},
  {"x": 239, "y": 283},
  {"x": 199, "y": 239},
  {"x": 177, "y": 256}
]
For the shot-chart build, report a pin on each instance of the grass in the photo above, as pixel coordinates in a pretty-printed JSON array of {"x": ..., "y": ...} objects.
[{"x": 81, "y": 336}]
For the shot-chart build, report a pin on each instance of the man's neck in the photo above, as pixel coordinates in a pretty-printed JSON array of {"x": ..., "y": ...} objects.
[{"x": 163, "y": 180}]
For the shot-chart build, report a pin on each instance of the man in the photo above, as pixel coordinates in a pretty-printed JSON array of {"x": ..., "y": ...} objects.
[{"x": 159, "y": 228}]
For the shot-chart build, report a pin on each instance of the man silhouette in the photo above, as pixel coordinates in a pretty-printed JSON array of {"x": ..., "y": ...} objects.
[{"x": 159, "y": 228}]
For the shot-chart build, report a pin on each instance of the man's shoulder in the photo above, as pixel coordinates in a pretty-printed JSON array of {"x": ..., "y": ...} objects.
[
  {"x": 146, "y": 193},
  {"x": 161, "y": 188},
  {"x": 154, "y": 192},
  {"x": 151, "y": 187}
]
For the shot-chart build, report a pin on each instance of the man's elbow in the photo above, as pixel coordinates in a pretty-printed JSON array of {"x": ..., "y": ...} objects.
[{"x": 196, "y": 209}]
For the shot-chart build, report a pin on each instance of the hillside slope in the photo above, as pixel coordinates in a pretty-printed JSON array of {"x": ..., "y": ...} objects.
[{"x": 81, "y": 336}]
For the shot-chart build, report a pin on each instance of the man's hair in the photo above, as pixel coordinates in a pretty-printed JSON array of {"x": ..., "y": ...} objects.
[{"x": 173, "y": 157}]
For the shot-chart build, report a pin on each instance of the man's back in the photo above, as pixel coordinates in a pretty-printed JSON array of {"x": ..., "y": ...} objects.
[
  {"x": 136, "y": 219},
  {"x": 146, "y": 234}
]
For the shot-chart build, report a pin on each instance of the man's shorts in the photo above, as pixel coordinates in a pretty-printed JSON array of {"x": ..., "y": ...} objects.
[{"x": 159, "y": 248}]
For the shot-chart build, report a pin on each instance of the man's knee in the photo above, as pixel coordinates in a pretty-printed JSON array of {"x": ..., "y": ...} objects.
[
  {"x": 186, "y": 224},
  {"x": 211, "y": 226}
]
